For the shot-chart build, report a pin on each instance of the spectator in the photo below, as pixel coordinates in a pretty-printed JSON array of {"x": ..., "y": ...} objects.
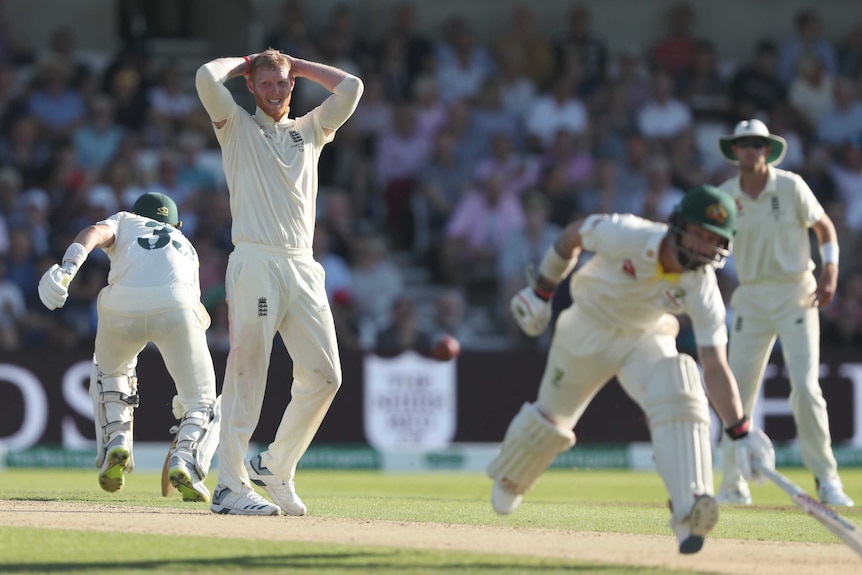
[
  {"x": 517, "y": 88},
  {"x": 553, "y": 111},
  {"x": 463, "y": 64},
  {"x": 674, "y": 54},
  {"x": 521, "y": 171},
  {"x": 474, "y": 235},
  {"x": 850, "y": 52},
  {"x": 525, "y": 44},
  {"x": 664, "y": 117},
  {"x": 571, "y": 153},
  {"x": 96, "y": 142},
  {"x": 13, "y": 313},
  {"x": 377, "y": 281},
  {"x": 811, "y": 91},
  {"x": 703, "y": 88},
  {"x": 170, "y": 105},
  {"x": 441, "y": 183},
  {"x": 756, "y": 87},
  {"x": 450, "y": 318},
  {"x": 808, "y": 41},
  {"x": 404, "y": 332},
  {"x": 401, "y": 151},
  {"x": 844, "y": 118},
  {"x": 847, "y": 173},
  {"x": 55, "y": 103},
  {"x": 578, "y": 42},
  {"x": 338, "y": 282}
]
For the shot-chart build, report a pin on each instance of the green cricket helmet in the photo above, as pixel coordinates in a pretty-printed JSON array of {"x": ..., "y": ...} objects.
[
  {"x": 709, "y": 208},
  {"x": 157, "y": 207}
]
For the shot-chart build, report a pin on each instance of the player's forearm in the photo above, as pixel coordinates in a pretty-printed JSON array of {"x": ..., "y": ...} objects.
[
  {"x": 560, "y": 259},
  {"x": 327, "y": 76},
  {"x": 721, "y": 386},
  {"x": 209, "y": 82}
]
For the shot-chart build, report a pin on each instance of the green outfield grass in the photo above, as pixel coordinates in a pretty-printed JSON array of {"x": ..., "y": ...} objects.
[{"x": 618, "y": 501}]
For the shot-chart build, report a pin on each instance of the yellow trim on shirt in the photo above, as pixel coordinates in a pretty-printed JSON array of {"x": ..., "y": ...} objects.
[{"x": 662, "y": 275}]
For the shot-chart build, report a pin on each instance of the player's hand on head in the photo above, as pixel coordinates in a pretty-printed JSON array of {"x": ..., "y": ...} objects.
[
  {"x": 754, "y": 447},
  {"x": 531, "y": 312},
  {"x": 54, "y": 287}
]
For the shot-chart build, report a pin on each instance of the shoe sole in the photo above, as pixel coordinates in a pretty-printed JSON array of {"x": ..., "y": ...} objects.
[
  {"x": 221, "y": 510},
  {"x": 113, "y": 478},
  {"x": 181, "y": 479},
  {"x": 703, "y": 517}
]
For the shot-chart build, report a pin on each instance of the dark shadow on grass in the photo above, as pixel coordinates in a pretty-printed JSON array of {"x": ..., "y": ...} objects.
[{"x": 360, "y": 562}]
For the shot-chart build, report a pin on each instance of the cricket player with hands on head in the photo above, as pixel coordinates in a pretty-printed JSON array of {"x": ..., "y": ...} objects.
[
  {"x": 153, "y": 295},
  {"x": 273, "y": 283},
  {"x": 778, "y": 296},
  {"x": 621, "y": 324}
]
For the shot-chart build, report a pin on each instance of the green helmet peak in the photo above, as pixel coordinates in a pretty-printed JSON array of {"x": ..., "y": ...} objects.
[{"x": 157, "y": 207}]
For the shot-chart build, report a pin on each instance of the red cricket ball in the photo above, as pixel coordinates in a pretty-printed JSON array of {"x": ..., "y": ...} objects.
[{"x": 446, "y": 348}]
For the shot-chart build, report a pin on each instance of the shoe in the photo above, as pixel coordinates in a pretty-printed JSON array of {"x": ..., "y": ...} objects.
[
  {"x": 701, "y": 519},
  {"x": 283, "y": 493},
  {"x": 247, "y": 502},
  {"x": 832, "y": 493},
  {"x": 736, "y": 494},
  {"x": 185, "y": 478},
  {"x": 118, "y": 458},
  {"x": 503, "y": 500}
]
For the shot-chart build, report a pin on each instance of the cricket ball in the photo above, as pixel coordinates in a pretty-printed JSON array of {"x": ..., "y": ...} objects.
[{"x": 446, "y": 348}]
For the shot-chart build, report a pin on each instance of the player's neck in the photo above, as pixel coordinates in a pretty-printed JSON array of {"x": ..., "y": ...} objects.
[{"x": 753, "y": 181}]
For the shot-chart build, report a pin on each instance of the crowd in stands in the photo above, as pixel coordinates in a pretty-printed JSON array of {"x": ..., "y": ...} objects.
[{"x": 464, "y": 159}]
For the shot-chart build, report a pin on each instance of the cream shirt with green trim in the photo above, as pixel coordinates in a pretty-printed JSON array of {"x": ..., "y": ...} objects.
[
  {"x": 771, "y": 242},
  {"x": 623, "y": 287}
]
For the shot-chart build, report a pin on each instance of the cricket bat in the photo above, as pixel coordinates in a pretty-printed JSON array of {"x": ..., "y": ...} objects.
[{"x": 842, "y": 528}]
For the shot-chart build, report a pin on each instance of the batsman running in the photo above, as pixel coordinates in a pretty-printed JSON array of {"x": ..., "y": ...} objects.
[
  {"x": 778, "y": 296},
  {"x": 621, "y": 325},
  {"x": 273, "y": 283},
  {"x": 153, "y": 295}
]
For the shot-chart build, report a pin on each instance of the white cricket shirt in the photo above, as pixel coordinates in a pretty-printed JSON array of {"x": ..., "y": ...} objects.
[
  {"x": 147, "y": 254},
  {"x": 771, "y": 242},
  {"x": 623, "y": 286}
]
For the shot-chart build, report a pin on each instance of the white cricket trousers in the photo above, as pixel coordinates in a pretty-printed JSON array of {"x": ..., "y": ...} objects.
[
  {"x": 762, "y": 312},
  {"x": 275, "y": 290},
  {"x": 172, "y": 318}
]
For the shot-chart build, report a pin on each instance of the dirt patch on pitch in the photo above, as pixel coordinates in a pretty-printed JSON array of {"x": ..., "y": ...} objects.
[{"x": 718, "y": 556}]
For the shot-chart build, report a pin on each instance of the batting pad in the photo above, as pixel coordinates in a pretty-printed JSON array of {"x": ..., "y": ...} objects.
[
  {"x": 197, "y": 436},
  {"x": 530, "y": 445},
  {"x": 678, "y": 414},
  {"x": 114, "y": 400}
]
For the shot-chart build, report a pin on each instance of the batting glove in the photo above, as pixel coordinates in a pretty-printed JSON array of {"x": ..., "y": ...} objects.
[
  {"x": 751, "y": 445},
  {"x": 531, "y": 312},
  {"x": 54, "y": 287}
]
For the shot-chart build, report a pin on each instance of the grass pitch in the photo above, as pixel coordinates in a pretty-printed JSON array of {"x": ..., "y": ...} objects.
[{"x": 580, "y": 500}]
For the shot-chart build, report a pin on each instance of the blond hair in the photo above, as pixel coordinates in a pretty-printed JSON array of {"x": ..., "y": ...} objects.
[{"x": 269, "y": 59}]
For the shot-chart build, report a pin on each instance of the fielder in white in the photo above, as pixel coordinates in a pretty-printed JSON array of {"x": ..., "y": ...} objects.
[
  {"x": 778, "y": 296},
  {"x": 273, "y": 283},
  {"x": 620, "y": 325},
  {"x": 153, "y": 295}
]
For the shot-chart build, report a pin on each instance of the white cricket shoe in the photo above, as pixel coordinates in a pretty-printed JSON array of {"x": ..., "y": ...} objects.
[
  {"x": 832, "y": 493},
  {"x": 503, "y": 499},
  {"x": 118, "y": 462},
  {"x": 246, "y": 502},
  {"x": 283, "y": 493},
  {"x": 184, "y": 476},
  {"x": 734, "y": 494},
  {"x": 700, "y": 521}
]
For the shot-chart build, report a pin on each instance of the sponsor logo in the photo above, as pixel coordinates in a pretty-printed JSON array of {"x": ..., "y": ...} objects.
[
  {"x": 675, "y": 296},
  {"x": 629, "y": 268},
  {"x": 262, "y": 309},
  {"x": 162, "y": 211}
]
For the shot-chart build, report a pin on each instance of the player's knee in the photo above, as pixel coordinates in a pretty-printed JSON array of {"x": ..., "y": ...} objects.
[{"x": 675, "y": 392}]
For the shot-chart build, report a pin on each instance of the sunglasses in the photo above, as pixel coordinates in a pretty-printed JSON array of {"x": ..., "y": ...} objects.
[{"x": 756, "y": 143}]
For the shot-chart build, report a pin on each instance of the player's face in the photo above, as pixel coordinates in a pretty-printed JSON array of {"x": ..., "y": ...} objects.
[
  {"x": 751, "y": 152},
  {"x": 272, "y": 90},
  {"x": 702, "y": 242}
]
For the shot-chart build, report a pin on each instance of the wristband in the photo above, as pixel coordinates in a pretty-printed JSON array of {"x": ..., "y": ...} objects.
[
  {"x": 829, "y": 253},
  {"x": 554, "y": 267},
  {"x": 739, "y": 430},
  {"x": 247, "y": 65},
  {"x": 543, "y": 294},
  {"x": 75, "y": 254}
]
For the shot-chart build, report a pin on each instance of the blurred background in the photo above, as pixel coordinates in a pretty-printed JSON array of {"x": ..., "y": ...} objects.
[{"x": 485, "y": 127}]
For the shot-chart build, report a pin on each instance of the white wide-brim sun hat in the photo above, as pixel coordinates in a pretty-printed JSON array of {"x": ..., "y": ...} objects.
[{"x": 753, "y": 129}]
